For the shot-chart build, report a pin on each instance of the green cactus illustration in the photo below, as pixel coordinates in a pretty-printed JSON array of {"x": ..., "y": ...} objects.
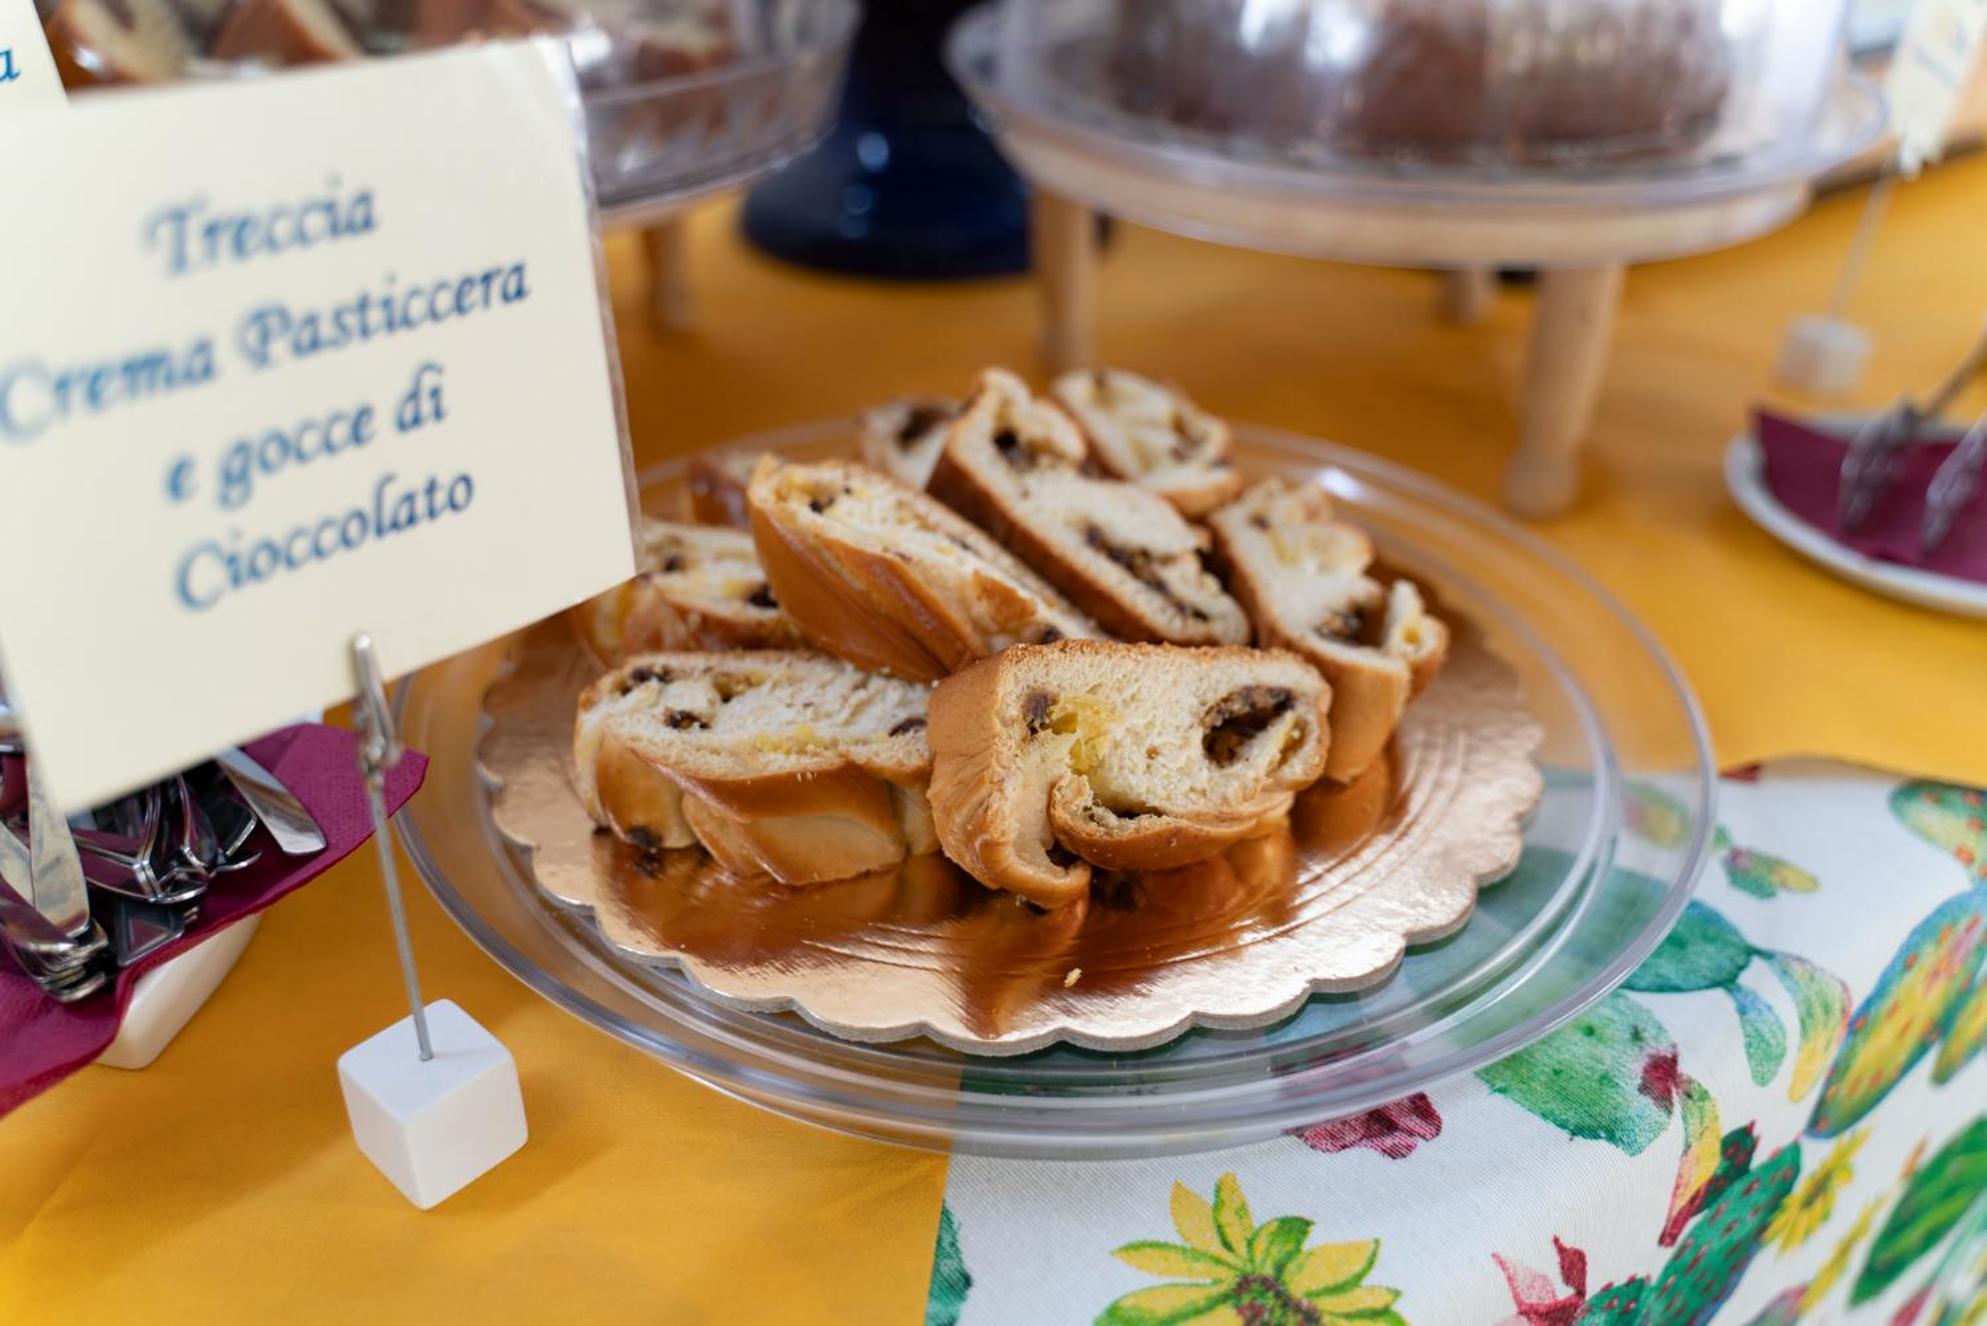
[
  {"x": 1764, "y": 876},
  {"x": 1609, "y": 1075},
  {"x": 950, "y": 1280},
  {"x": 1949, "y": 817},
  {"x": 1708, "y": 1264},
  {"x": 1706, "y": 952},
  {"x": 1937, "y": 1196},
  {"x": 1965, "y": 1034},
  {"x": 1656, "y": 815},
  {"x": 1913, "y": 1005},
  {"x": 1731, "y": 1221},
  {"x": 1615, "y": 1305}
]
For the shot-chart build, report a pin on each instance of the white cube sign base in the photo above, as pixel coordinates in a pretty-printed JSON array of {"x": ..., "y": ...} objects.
[
  {"x": 1823, "y": 356},
  {"x": 433, "y": 1126}
]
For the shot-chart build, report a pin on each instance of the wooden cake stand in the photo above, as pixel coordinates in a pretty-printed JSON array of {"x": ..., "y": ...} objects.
[{"x": 1580, "y": 230}]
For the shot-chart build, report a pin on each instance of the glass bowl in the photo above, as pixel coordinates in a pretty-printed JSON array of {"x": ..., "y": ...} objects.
[
  {"x": 681, "y": 97},
  {"x": 1608, "y": 862},
  {"x": 672, "y": 139}
]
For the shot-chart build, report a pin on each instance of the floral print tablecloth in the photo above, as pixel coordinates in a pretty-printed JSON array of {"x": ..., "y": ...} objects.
[{"x": 1781, "y": 1118}]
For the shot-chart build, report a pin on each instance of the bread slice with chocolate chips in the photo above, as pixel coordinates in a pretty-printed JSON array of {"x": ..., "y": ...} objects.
[
  {"x": 1049, "y": 760},
  {"x": 903, "y": 437},
  {"x": 787, "y": 765},
  {"x": 1014, "y": 465},
  {"x": 716, "y": 484},
  {"x": 1305, "y": 577},
  {"x": 700, "y": 587},
  {"x": 1150, "y": 433},
  {"x": 880, "y": 574}
]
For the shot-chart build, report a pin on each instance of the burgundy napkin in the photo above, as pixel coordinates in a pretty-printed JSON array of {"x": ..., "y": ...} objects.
[
  {"x": 1803, "y": 468},
  {"x": 42, "y": 1041}
]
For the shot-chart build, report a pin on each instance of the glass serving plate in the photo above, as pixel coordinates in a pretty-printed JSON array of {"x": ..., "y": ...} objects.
[{"x": 1608, "y": 862}]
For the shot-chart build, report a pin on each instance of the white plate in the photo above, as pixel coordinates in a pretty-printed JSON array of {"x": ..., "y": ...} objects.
[{"x": 1745, "y": 476}]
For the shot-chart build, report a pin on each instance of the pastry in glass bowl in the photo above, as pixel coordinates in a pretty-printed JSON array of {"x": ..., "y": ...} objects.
[{"x": 156, "y": 41}]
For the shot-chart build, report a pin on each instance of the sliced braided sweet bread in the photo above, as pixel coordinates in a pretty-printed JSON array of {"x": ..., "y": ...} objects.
[
  {"x": 903, "y": 437},
  {"x": 1150, "y": 433},
  {"x": 1304, "y": 576},
  {"x": 717, "y": 481},
  {"x": 1050, "y": 759},
  {"x": 783, "y": 764},
  {"x": 700, "y": 587},
  {"x": 880, "y": 574},
  {"x": 1014, "y": 465}
]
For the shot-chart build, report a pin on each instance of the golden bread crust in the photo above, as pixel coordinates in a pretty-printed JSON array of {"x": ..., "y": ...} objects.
[
  {"x": 826, "y": 811},
  {"x": 699, "y": 588},
  {"x": 886, "y": 608},
  {"x": 1371, "y": 683},
  {"x": 1026, "y": 817},
  {"x": 1131, "y": 591},
  {"x": 1192, "y": 470}
]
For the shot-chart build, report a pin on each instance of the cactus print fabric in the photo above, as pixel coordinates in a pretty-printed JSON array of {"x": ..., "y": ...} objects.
[{"x": 1780, "y": 1118}]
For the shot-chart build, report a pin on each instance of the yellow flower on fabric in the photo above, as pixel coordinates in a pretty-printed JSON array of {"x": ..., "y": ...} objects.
[
  {"x": 1234, "y": 1272},
  {"x": 1838, "y": 1260},
  {"x": 1811, "y": 1204}
]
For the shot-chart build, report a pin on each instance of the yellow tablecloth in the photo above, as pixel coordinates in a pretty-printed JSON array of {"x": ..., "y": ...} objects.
[{"x": 222, "y": 1185}]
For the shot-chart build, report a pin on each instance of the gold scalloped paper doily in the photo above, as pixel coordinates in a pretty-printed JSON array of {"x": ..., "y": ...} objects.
[{"x": 1328, "y": 904}]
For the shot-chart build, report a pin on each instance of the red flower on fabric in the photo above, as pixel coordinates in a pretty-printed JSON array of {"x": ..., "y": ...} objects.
[
  {"x": 1537, "y": 1299},
  {"x": 1394, "y": 1129}
]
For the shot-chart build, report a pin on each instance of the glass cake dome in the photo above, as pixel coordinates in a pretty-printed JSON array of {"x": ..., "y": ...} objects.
[{"x": 1519, "y": 84}]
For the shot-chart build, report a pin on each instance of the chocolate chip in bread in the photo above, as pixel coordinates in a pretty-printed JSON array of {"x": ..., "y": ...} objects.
[
  {"x": 1016, "y": 466},
  {"x": 1307, "y": 580},
  {"x": 1052, "y": 759}
]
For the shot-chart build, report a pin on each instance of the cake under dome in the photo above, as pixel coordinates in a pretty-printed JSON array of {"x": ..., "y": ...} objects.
[{"x": 1514, "y": 82}]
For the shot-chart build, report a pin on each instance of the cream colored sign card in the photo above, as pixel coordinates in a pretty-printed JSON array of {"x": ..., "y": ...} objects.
[
  {"x": 1935, "y": 60},
  {"x": 27, "y": 70},
  {"x": 281, "y": 361}
]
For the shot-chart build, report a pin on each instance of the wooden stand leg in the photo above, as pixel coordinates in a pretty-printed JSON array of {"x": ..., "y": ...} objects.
[
  {"x": 1571, "y": 331},
  {"x": 1065, "y": 256},
  {"x": 1467, "y": 293},
  {"x": 669, "y": 275}
]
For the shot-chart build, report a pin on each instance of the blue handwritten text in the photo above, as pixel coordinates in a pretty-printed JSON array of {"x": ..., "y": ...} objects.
[
  {"x": 214, "y": 568},
  {"x": 271, "y": 335},
  {"x": 195, "y": 235},
  {"x": 35, "y": 396}
]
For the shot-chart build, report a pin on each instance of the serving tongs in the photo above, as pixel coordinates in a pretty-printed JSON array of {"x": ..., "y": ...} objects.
[{"x": 1876, "y": 456}]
